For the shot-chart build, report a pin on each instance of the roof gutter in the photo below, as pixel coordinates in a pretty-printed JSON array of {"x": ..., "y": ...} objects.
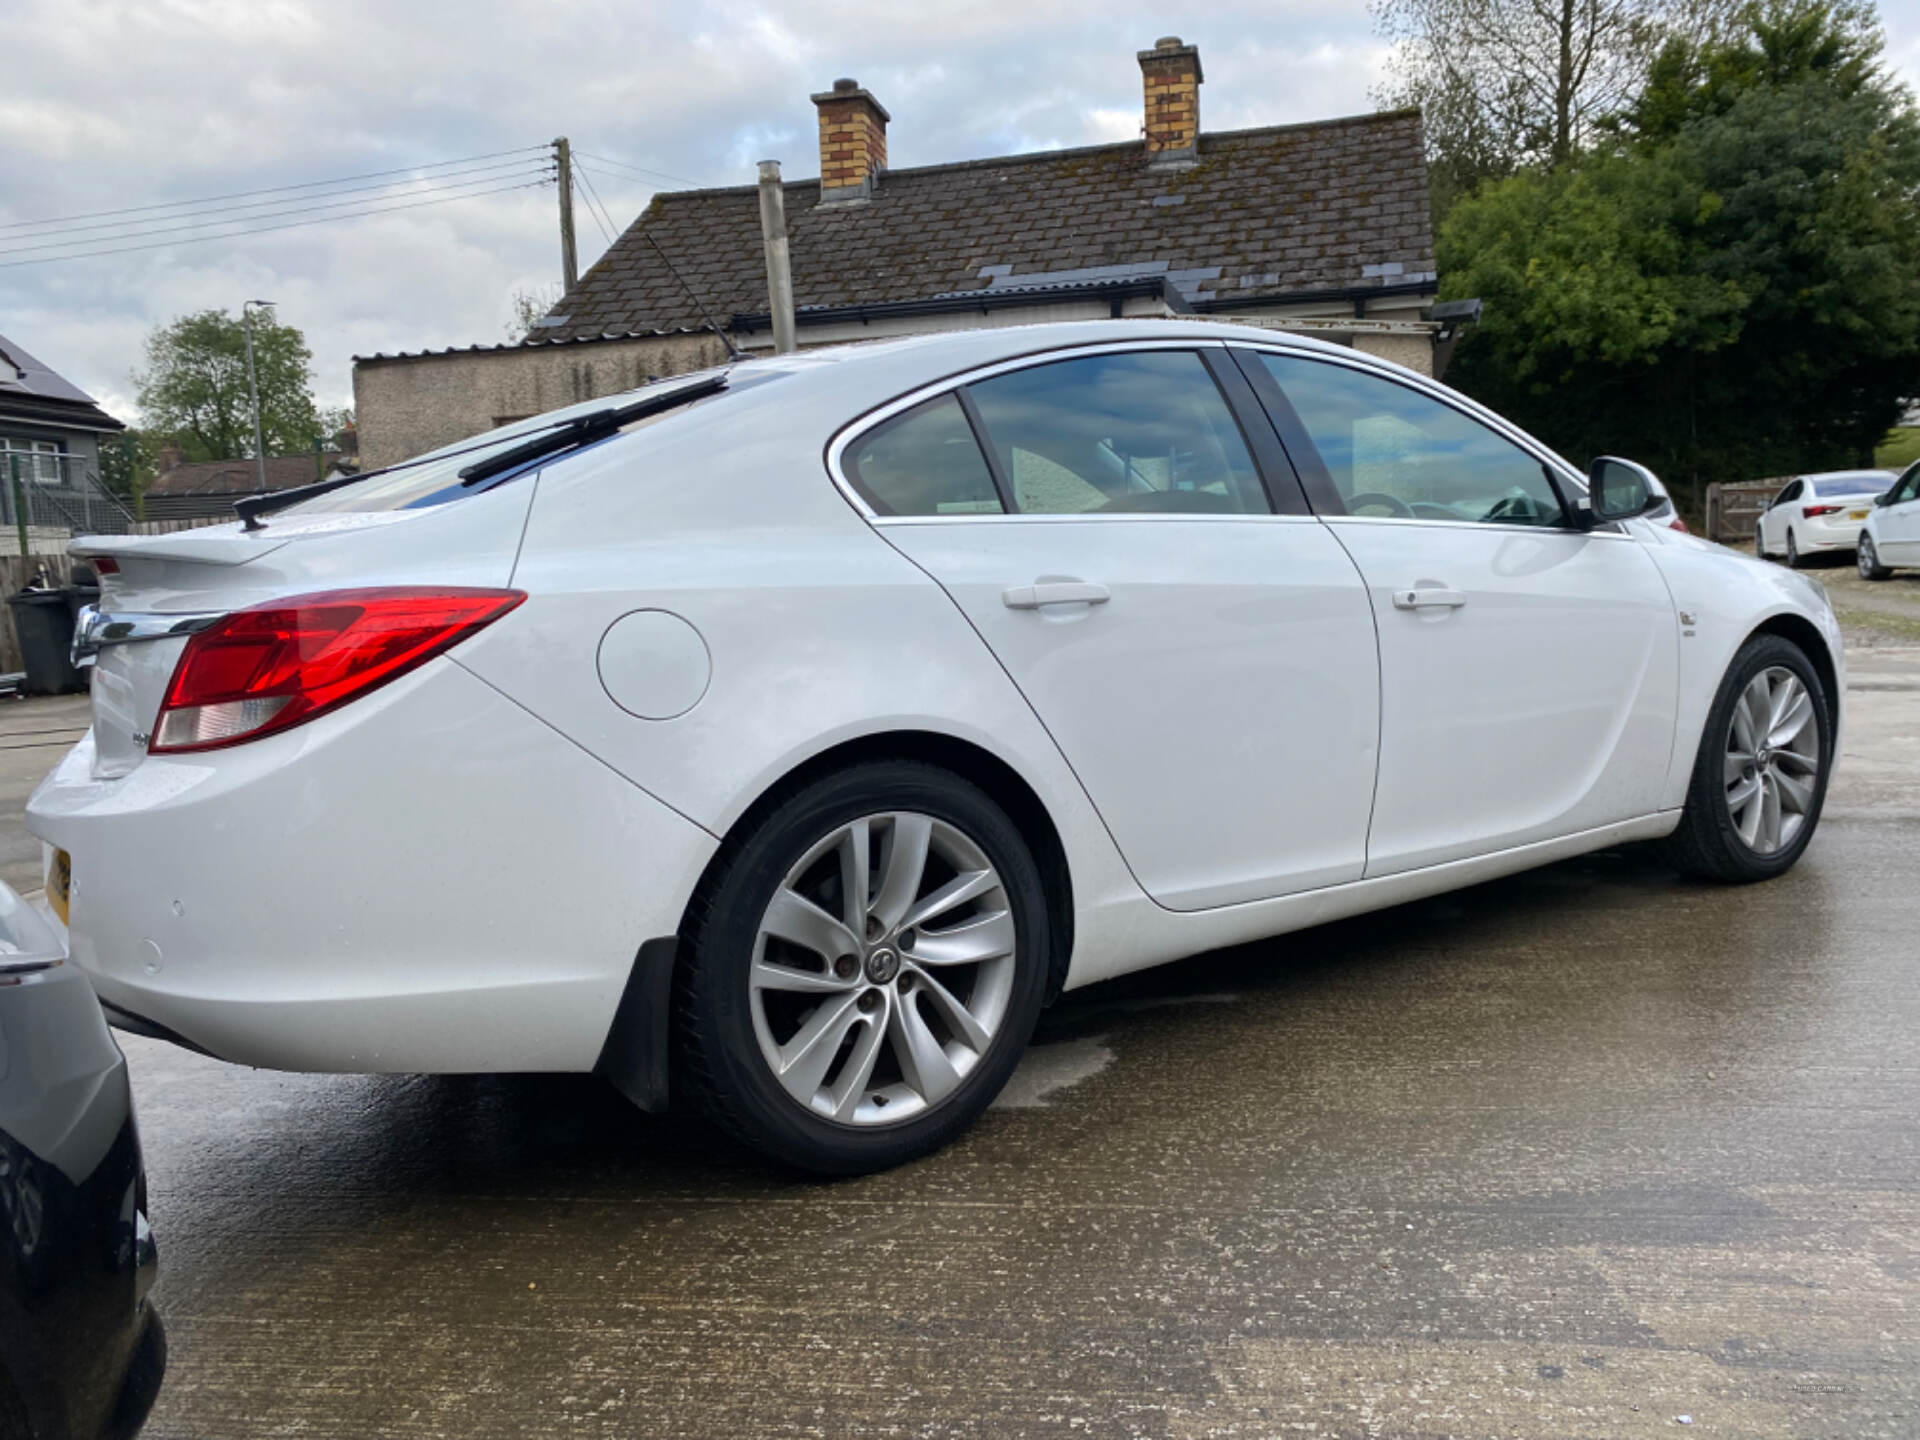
[
  {"x": 979, "y": 302},
  {"x": 1354, "y": 295}
]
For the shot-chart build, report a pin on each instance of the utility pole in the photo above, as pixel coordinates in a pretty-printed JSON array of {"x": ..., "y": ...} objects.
[
  {"x": 569, "y": 264},
  {"x": 773, "y": 231},
  {"x": 253, "y": 391}
]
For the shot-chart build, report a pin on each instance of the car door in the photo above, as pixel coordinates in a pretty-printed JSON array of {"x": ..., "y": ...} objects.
[
  {"x": 1899, "y": 522},
  {"x": 1528, "y": 670},
  {"x": 1203, "y": 656},
  {"x": 1775, "y": 520}
]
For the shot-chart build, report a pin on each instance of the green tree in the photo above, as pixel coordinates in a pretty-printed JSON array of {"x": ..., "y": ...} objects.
[
  {"x": 1504, "y": 84},
  {"x": 127, "y": 463},
  {"x": 1731, "y": 289},
  {"x": 194, "y": 389}
]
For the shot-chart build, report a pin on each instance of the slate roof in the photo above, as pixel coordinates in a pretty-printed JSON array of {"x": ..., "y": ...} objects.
[
  {"x": 237, "y": 477},
  {"x": 35, "y": 395},
  {"x": 1330, "y": 205}
]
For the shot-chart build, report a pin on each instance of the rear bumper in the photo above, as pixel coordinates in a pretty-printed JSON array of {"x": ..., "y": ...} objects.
[
  {"x": 1820, "y": 535},
  {"x": 429, "y": 880}
]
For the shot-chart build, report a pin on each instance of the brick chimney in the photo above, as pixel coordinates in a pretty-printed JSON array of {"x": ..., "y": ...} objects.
[
  {"x": 853, "y": 142},
  {"x": 168, "y": 457},
  {"x": 1172, "y": 74}
]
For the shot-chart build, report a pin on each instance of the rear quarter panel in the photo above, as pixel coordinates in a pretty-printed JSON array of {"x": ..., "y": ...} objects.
[{"x": 817, "y": 631}]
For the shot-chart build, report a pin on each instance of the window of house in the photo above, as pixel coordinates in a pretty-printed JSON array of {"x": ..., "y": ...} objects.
[
  {"x": 924, "y": 461},
  {"x": 1106, "y": 434},
  {"x": 39, "y": 460},
  {"x": 1394, "y": 451}
]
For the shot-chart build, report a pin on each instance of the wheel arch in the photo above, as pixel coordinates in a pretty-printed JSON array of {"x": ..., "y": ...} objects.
[
  {"x": 972, "y": 762},
  {"x": 1804, "y": 633}
]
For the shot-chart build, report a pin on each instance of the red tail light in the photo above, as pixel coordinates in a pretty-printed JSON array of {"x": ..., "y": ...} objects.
[
  {"x": 1810, "y": 511},
  {"x": 1678, "y": 524},
  {"x": 278, "y": 665}
]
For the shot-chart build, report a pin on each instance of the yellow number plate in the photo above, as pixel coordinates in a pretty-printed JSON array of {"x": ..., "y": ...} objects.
[
  {"x": 60, "y": 883},
  {"x": 1856, "y": 514}
]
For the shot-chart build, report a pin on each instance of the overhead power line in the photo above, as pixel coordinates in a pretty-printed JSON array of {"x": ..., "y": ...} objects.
[
  {"x": 148, "y": 230},
  {"x": 274, "y": 189},
  {"x": 601, "y": 216},
  {"x": 639, "y": 170},
  {"x": 541, "y": 183},
  {"x": 495, "y": 169}
]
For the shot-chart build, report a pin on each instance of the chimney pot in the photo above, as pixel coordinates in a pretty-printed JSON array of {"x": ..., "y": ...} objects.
[
  {"x": 853, "y": 142},
  {"x": 1171, "y": 77}
]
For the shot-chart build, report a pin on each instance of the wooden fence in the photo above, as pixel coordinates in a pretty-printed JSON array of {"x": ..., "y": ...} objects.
[{"x": 1734, "y": 510}]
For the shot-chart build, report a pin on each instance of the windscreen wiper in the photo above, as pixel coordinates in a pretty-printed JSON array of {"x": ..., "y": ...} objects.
[
  {"x": 561, "y": 435},
  {"x": 588, "y": 428}
]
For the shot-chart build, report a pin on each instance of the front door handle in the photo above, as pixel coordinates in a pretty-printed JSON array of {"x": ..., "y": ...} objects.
[
  {"x": 1419, "y": 597},
  {"x": 1053, "y": 592}
]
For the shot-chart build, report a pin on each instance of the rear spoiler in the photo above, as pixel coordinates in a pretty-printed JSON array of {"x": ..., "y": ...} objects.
[{"x": 220, "y": 546}]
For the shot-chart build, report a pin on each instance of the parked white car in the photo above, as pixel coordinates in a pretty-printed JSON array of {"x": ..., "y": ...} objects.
[
  {"x": 1891, "y": 535},
  {"x": 790, "y": 734},
  {"x": 1818, "y": 514}
]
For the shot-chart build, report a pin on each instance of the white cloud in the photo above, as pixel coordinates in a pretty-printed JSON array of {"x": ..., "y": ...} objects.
[{"x": 111, "y": 103}]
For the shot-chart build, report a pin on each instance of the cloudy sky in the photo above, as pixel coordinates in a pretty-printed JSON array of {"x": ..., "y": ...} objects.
[{"x": 110, "y": 104}]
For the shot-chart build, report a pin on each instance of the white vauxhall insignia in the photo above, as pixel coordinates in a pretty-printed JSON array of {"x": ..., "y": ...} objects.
[{"x": 783, "y": 738}]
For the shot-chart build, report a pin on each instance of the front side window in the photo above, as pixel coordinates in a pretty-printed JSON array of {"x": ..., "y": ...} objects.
[
  {"x": 1112, "y": 434},
  {"x": 1908, "y": 487},
  {"x": 924, "y": 461},
  {"x": 1393, "y": 451}
]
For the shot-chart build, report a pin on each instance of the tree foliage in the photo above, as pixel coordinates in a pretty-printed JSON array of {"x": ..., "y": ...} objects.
[
  {"x": 1731, "y": 288},
  {"x": 1503, "y": 84},
  {"x": 194, "y": 389}
]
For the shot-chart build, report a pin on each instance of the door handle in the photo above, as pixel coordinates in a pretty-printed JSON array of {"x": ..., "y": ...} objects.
[
  {"x": 1053, "y": 592},
  {"x": 1421, "y": 596}
]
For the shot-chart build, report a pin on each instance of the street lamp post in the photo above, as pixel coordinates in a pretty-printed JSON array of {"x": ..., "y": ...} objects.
[{"x": 253, "y": 390}]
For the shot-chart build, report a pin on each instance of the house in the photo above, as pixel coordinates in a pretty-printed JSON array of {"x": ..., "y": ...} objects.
[
  {"x": 206, "y": 489},
  {"x": 50, "y": 437},
  {"x": 1322, "y": 226}
]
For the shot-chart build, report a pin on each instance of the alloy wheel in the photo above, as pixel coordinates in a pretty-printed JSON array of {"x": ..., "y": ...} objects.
[
  {"x": 1865, "y": 559},
  {"x": 1772, "y": 763},
  {"x": 883, "y": 968}
]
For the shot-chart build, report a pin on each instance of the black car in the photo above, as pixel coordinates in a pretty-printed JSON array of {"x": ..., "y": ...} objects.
[{"x": 81, "y": 1350}]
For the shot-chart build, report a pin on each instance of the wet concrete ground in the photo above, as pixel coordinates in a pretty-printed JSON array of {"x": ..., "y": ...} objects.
[{"x": 1572, "y": 1154}]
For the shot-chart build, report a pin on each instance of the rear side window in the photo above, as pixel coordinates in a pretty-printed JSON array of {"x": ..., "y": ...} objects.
[
  {"x": 1148, "y": 431},
  {"x": 924, "y": 461}
]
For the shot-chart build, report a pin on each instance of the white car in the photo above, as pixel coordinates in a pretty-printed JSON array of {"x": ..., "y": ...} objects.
[
  {"x": 1818, "y": 514},
  {"x": 783, "y": 738},
  {"x": 1891, "y": 535}
]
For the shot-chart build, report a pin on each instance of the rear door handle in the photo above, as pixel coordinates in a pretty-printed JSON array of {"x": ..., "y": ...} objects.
[
  {"x": 1420, "y": 597},
  {"x": 1054, "y": 592}
]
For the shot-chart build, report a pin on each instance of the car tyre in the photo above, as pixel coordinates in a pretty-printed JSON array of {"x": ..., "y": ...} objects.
[
  {"x": 1869, "y": 561},
  {"x": 1793, "y": 552},
  {"x": 1711, "y": 840},
  {"x": 734, "y": 1028}
]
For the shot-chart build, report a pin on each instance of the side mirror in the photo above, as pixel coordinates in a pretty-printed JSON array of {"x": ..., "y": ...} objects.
[{"x": 1620, "y": 489}]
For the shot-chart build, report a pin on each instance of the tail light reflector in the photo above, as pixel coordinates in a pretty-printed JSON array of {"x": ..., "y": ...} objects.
[
  {"x": 1811, "y": 511},
  {"x": 280, "y": 664},
  {"x": 1678, "y": 524}
]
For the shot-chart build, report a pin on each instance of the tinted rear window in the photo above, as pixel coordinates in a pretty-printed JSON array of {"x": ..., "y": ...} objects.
[{"x": 1852, "y": 485}]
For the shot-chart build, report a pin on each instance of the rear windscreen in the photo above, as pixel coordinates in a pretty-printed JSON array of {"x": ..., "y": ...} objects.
[
  {"x": 1852, "y": 485},
  {"x": 434, "y": 478}
]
